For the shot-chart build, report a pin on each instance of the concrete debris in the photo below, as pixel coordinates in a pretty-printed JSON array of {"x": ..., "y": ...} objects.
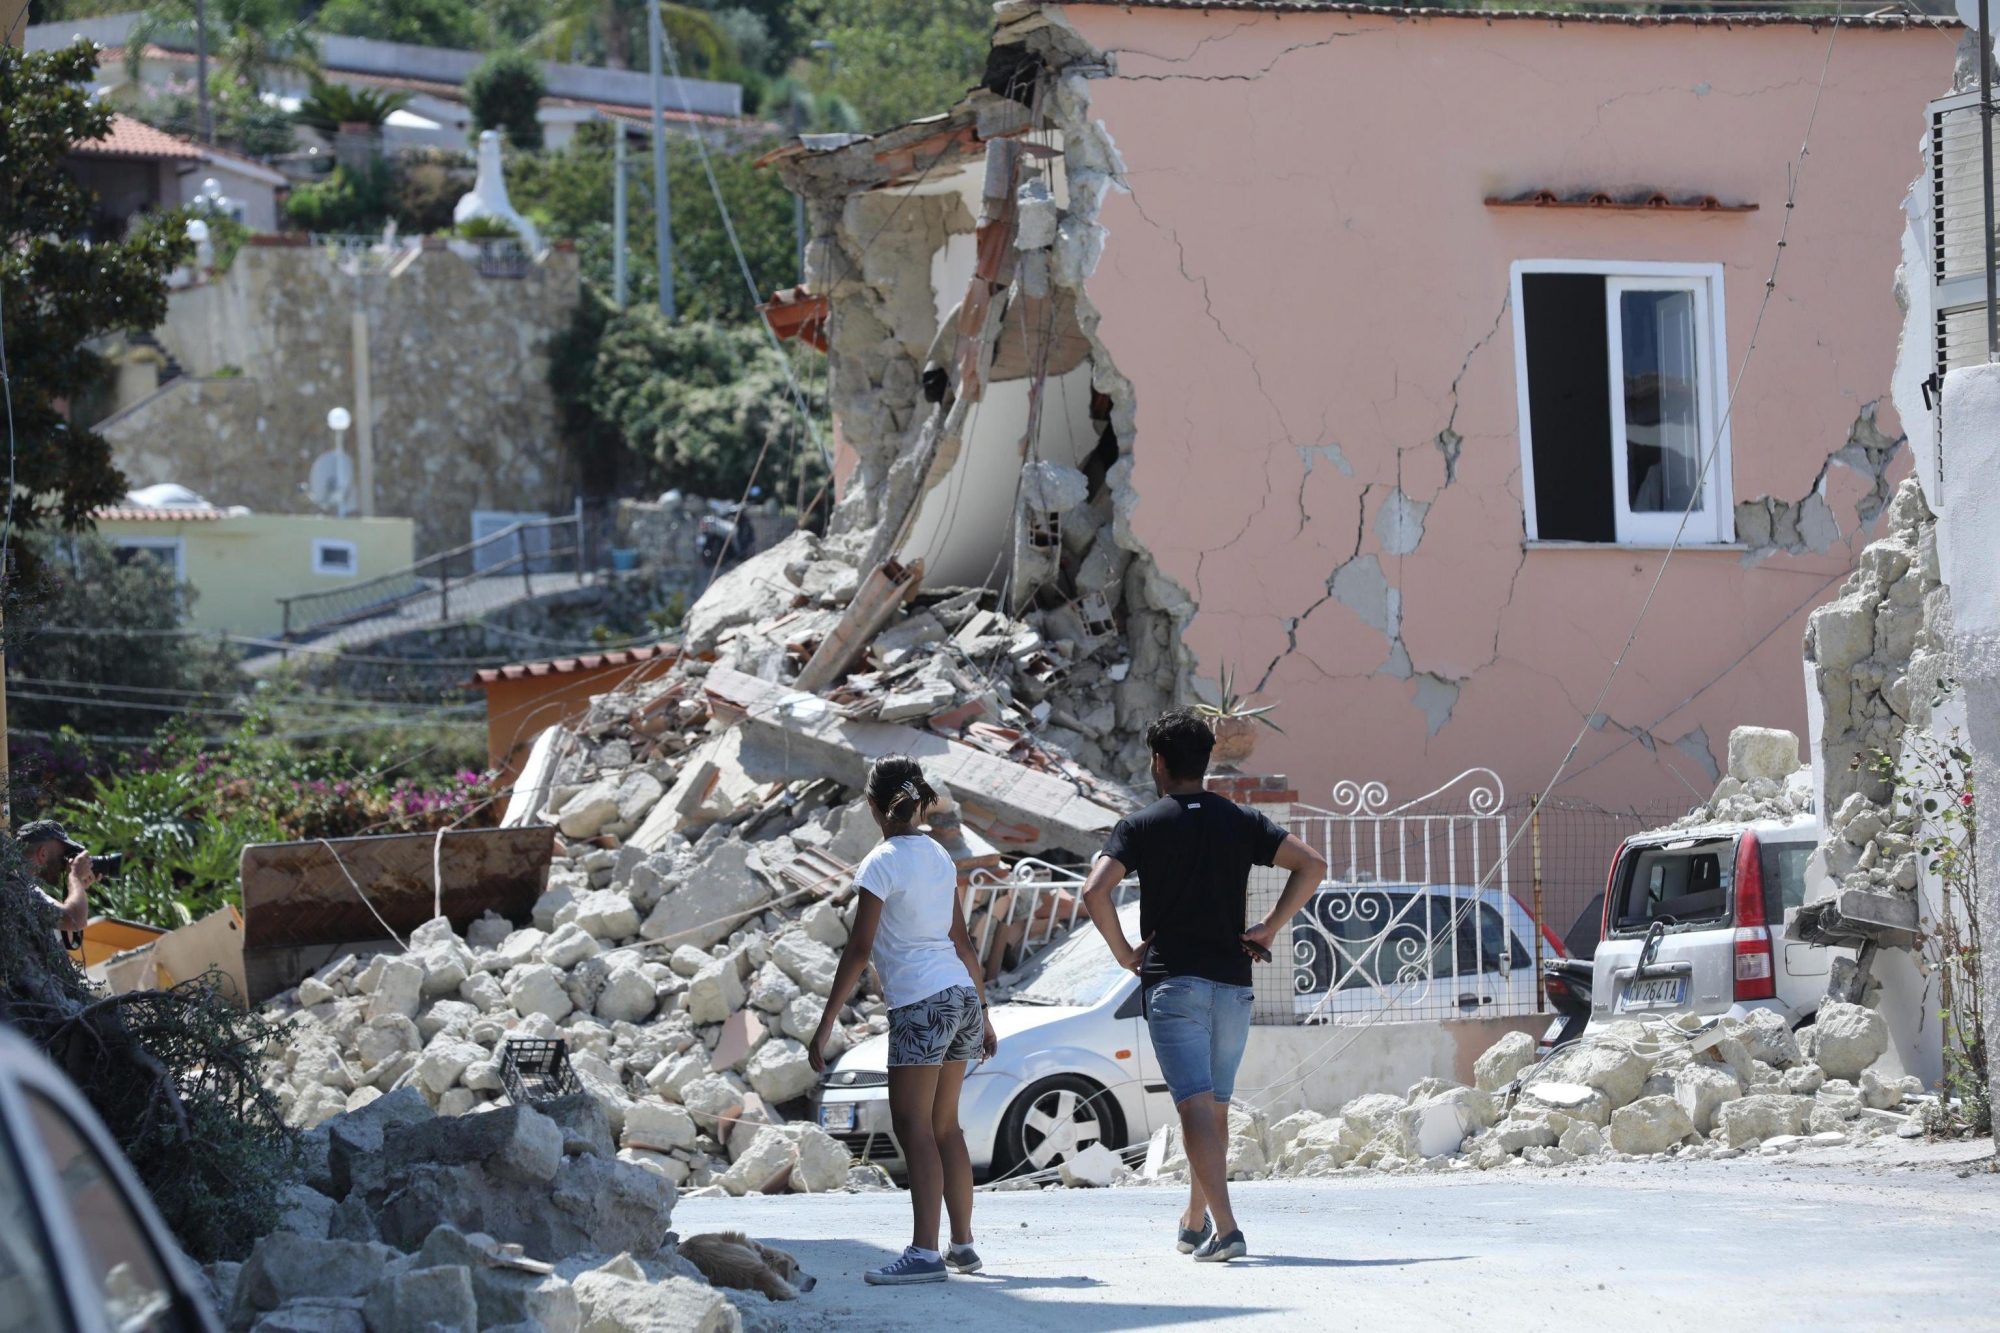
[{"x": 1634, "y": 1088}]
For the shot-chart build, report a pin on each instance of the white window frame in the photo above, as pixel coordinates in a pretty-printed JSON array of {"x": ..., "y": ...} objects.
[
  {"x": 173, "y": 545},
  {"x": 1714, "y": 523},
  {"x": 321, "y": 545}
]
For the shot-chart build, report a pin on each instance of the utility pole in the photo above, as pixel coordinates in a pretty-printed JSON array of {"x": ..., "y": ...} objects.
[
  {"x": 663, "y": 226},
  {"x": 364, "y": 398},
  {"x": 798, "y": 200},
  {"x": 618, "y": 213},
  {"x": 1986, "y": 177},
  {"x": 204, "y": 123}
]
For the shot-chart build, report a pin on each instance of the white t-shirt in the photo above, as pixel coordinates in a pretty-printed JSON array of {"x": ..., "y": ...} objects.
[{"x": 915, "y": 880}]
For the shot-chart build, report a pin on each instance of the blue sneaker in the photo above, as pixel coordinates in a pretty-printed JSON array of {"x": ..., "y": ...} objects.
[
  {"x": 906, "y": 1271},
  {"x": 962, "y": 1259}
]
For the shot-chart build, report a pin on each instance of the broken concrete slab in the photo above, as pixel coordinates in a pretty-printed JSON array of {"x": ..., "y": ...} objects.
[{"x": 809, "y": 739}]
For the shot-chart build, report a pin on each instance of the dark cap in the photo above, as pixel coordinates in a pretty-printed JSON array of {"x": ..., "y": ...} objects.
[{"x": 47, "y": 830}]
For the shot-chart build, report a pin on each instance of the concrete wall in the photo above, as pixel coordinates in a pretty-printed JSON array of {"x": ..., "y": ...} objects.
[
  {"x": 464, "y": 418},
  {"x": 1288, "y": 1069},
  {"x": 1312, "y": 303},
  {"x": 240, "y": 564}
]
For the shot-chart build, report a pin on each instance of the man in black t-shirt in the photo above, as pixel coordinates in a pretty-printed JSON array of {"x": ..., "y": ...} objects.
[{"x": 1192, "y": 851}]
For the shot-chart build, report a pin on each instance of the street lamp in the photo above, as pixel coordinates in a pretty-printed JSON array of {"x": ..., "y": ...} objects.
[{"x": 338, "y": 419}]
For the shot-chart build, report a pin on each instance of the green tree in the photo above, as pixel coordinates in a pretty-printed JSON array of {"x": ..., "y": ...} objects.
[
  {"x": 569, "y": 195},
  {"x": 451, "y": 23},
  {"x": 896, "y": 60},
  {"x": 58, "y": 290},
  {"x": 121, "y": 679},
  {"x": 246, "y": 38},
  {"x": 616, "y": 30},
  {"x": 694, "y": 401},
  {"x": 331, "y": 105},
  {"x": 503, "y": 94}
]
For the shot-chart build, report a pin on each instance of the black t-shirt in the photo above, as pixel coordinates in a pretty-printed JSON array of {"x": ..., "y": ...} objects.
[{"x": 1193, "y": 855}]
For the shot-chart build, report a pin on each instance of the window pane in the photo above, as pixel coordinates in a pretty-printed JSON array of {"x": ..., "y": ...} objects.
[
  {"x": 137, "y": 1295},
  {"x": 1663, "y": 443},
  {"x": 27, "y": 1293}
]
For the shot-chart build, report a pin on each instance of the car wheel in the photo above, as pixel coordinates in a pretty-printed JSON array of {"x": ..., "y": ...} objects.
[{"x": 1053, "y": 1120}]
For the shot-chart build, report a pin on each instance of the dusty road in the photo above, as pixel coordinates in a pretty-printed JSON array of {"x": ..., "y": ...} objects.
[{"x": 1841, "y": 1240}]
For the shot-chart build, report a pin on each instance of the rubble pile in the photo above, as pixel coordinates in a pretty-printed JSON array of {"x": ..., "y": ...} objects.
[
  {"x": 1879, "y": 655},
  {"x": 1765, "y": 781},
  {"x": 522, "y": 1219},
  {"x": 1696, "y": 1090}
]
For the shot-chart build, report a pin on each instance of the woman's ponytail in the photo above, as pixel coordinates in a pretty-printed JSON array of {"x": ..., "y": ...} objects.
[{"x": 899, "y": 789}]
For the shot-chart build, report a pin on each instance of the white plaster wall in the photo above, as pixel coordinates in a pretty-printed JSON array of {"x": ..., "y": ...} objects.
[
  {"x": 1915, "y": 355},
  {"x": 1969, "y": 517},
  {"x": 964, "y": 519},
  {"x": 1342, "y": 1063}
]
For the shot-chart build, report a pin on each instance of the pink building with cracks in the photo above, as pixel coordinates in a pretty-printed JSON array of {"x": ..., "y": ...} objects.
[{"x": 1417, "y": 333}]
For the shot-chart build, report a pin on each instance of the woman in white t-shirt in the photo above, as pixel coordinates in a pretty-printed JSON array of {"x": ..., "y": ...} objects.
[{"x": 911, "y": 919}]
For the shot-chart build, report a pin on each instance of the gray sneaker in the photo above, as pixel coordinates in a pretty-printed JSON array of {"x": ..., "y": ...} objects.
[
  {"x": 906, "y": 1271},
  {"x": 1221, "y": 1249},
  {"x": 962, "y": 1259},
  {"x": 1190, "y": 1241}
]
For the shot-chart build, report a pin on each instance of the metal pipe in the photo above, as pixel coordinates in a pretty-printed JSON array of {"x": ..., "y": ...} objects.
[
  {"x": 1986, "y": 177},
  {"x": 204, "y": 122},
  {"x": 618, "y": 215},
  {"x": 1535, "y": 835},
  {"x": 663, "y": 227}
]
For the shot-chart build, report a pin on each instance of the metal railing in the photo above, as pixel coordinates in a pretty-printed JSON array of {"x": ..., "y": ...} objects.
[
  {"x": 424, "y": 591},
  {"x": 1415, "y": 921},
  {"x": 505, "y": 257},
  {"x": 1013, "y": 915}
]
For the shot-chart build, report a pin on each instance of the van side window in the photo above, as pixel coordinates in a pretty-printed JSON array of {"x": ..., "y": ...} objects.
[{"x": 1784, "y": 867}]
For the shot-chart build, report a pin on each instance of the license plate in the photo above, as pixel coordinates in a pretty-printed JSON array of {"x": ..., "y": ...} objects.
[
  {"x": 1664, "y": 993},
  {"x": 837, "y": 1116}
]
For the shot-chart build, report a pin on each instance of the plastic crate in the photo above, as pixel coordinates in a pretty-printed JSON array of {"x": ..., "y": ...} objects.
[{"x": 536, "y": 1069}]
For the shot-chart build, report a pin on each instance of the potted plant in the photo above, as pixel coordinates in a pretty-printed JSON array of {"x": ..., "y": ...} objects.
[{"x": 1232, "y": 723}]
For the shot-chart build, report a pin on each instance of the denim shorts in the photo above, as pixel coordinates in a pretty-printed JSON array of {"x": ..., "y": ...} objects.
[{"x": 1199, "y": 1028}]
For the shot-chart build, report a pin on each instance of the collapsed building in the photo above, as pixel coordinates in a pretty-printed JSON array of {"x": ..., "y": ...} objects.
[{"x": 1156, "y": 333}]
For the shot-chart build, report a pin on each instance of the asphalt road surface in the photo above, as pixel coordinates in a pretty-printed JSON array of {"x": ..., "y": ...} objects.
[{"x": 1872, "y": 1239}]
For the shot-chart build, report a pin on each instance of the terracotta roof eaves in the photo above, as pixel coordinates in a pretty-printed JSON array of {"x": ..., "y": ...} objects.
[{"x": 1748, "y": 16}]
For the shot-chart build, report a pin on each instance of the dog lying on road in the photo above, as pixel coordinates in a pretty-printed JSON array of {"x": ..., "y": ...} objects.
[{"x": 732, "y": 1259}]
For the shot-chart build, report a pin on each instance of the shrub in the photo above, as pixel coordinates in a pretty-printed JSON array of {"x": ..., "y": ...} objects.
[
  {"x": 503, "y": 94},
  {"x": 345, "y": 201}
]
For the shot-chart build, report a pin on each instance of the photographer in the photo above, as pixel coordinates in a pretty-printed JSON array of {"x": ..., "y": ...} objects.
[{"x": 55, "y": 860}]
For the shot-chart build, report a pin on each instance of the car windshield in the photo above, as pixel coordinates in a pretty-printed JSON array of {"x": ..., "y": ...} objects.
[
  {"x": 1673, "y": 884},
  {"x": 1079, "y": 970}
]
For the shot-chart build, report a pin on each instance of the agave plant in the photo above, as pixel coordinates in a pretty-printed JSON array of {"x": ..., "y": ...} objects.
[
  {"x": 331, "y": 105},
  {"x": 1232, "y": 705}
]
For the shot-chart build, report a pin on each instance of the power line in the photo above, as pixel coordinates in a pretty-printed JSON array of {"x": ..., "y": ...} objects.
[{"x": 742, "y": 263}]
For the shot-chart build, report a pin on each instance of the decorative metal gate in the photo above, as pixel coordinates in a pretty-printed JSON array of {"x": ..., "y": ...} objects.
[{"x": 1415, "y": 922}]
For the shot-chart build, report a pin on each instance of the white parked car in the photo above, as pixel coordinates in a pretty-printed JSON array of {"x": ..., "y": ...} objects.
[
  {"x": 1075, "y": 1064},
  {"x": 1694, "y": 922}
]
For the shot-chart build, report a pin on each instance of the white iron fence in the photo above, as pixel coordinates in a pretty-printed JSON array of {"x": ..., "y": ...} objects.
[{"x": 1415, "y": 921}]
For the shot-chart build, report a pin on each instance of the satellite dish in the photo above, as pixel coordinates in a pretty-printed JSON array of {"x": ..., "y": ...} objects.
[{"x": 331, "y": 480}]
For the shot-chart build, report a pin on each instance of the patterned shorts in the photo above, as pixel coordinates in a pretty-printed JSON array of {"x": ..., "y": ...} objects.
[{"x": 946, "y": 1026}]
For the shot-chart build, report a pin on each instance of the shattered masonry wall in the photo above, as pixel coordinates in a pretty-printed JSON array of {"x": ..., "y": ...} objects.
[
  {"x": 1323, "y": 347},
  {"x": 877, "y": 254},
  {"x": 464, "y": 415},
  {"x": 871, "y": 255}
]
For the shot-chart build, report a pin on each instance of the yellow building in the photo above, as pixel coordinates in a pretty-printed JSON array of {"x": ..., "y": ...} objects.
[{"x": 240, "y": 563}]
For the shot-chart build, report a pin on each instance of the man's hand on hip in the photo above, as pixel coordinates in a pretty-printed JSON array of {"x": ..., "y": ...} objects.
[{"x": 1257, "y": 940}]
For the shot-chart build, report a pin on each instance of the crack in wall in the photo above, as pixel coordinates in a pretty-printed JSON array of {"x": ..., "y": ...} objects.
[
  {"x": 1250, "y": 77},
  {"x": 1768, "y": 525}
]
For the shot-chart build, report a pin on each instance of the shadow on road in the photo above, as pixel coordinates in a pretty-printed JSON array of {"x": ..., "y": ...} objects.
[{"x": 1302, "y": 1261}]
